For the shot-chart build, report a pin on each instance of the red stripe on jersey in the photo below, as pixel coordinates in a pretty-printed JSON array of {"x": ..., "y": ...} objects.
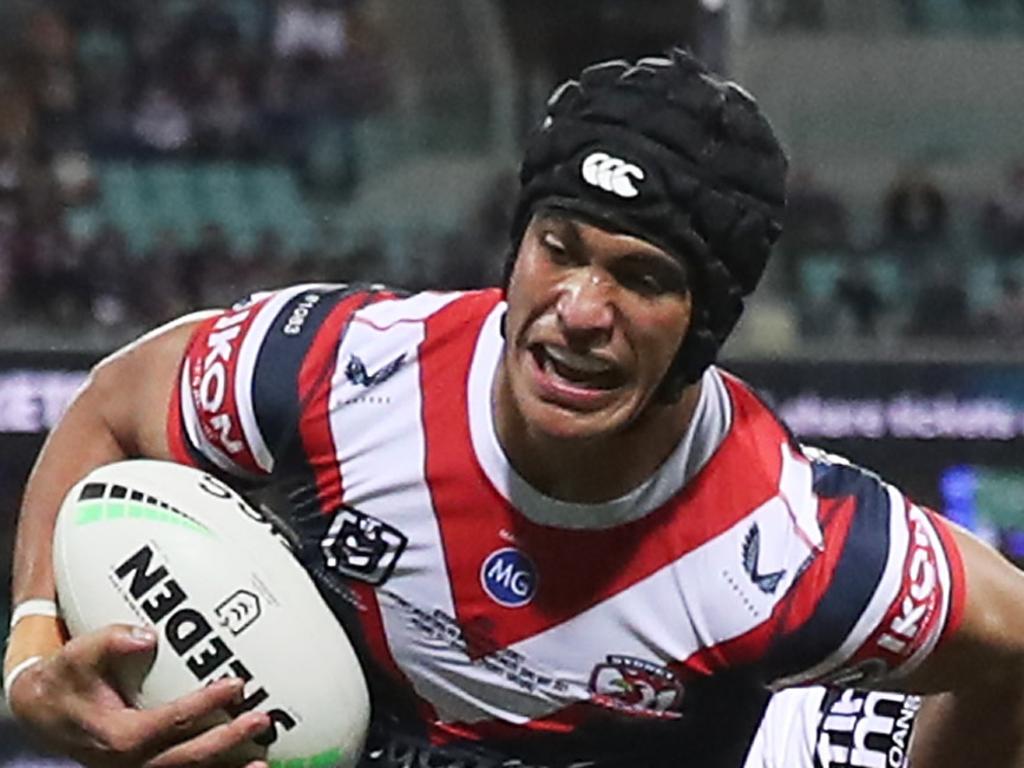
[
  {"x": 565, "y": 720},
  {"x": 212, "y": 365},
  {"x": 957, "y": 575},
  {"x": 315, "y": 396},
  {"x": 835, "y": 517},
  {"x": 177, "y": 438},
  {"x": 444, "y": 373},
  {"x": 605, "y": 562},
  {"x": 913, "y": 617},
  {"x": 314, "y": 384}
]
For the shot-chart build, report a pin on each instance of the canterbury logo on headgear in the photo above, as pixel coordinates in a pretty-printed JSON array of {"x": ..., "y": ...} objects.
[{"x": 611, "y": 174}]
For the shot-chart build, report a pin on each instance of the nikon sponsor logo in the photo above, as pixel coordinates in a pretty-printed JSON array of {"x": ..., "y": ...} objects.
[{"x": 188, "y": 633}]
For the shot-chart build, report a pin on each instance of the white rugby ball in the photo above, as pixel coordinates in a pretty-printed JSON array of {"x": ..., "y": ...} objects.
[{"x": 171, "y": 547}]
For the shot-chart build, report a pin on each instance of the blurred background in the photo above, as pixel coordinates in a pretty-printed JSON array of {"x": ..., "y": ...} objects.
[{"x": 162, "y": 156}]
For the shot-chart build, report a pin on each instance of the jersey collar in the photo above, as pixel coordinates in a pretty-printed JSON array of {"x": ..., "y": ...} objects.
[{"x": 709, "y": 426}]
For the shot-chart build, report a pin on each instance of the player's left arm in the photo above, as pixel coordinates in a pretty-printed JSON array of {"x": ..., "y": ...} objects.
[
  {"x": 899, "y": 599},
  {"x": 980, "y": 722}
]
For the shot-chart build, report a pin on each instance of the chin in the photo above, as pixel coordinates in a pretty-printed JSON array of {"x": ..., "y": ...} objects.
[{"x": 559, "y": 423}]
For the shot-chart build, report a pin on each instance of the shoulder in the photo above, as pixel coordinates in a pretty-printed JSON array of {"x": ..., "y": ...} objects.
[
  {"x": 277, "y": 321},
  {"x": 251, "y": 371},
  {"x": 744, "y": 438}
]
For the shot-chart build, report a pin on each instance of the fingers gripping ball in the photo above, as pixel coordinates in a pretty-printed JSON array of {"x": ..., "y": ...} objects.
[{"x": 167, "y": 546}]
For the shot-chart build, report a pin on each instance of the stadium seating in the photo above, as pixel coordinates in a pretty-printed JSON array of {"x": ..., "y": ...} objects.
[{"x": 143, "y": 198}]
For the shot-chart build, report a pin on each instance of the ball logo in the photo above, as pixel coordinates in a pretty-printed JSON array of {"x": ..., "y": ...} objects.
[
  {"x": 238, "y": 611},
  {"x": 509, "y": 577},
  {"x": 151, "y": 588},
  {"x": 611, "y": 174}
]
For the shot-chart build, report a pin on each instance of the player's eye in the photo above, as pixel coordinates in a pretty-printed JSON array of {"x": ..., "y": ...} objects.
[
  {"x": 651, "y": 278},
  {"x": 557, "y": 249},
  {"x": 552, "y": 242},
  {"x": 646, "y": 284}
]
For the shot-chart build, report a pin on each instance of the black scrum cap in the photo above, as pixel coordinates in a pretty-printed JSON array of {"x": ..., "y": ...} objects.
[{"x": 664, "y": 150}]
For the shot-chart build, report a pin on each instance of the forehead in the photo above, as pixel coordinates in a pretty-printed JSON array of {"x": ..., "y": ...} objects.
[{"x": 586, "y": 231}]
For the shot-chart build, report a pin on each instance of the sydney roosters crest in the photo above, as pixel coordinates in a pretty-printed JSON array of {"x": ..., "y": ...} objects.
[{"x": 636, "y": 686}]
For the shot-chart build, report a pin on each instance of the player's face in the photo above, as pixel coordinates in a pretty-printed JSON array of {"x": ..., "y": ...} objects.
[{"x": 594, "y": 320}]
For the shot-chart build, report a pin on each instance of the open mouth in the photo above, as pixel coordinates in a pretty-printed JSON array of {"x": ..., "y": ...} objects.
[{"x": 584, "y": 371}]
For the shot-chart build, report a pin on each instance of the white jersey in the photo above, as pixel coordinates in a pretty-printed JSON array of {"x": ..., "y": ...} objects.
[
  {"x": 818, "y": 727},
  {"x": 627, "y": 632}
]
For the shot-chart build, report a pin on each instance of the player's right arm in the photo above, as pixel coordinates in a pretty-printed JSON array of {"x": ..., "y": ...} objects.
[{"x": 66, "y": 698}]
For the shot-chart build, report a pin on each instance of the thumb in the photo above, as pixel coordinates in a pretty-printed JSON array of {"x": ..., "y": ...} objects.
[
  {"x": 128, "y": 639},
  {"x": 108, "y": 645},
  {"x": 120, "y": 653}
]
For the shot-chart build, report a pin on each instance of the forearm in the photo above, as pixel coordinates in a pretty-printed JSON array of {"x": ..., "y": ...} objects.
[
  {"x": 972, "y": 728},
  {"x": 980, "y": 721},
  {"x": 63, "y": 691},
  {"x": 119, "y": 413},
  {"x": 82, "y": 441}
]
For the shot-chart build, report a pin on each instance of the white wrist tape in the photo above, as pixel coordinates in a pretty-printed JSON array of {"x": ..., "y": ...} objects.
[
  {"x": 36, "y": 607},
  {"x": 15, "y": 673}
]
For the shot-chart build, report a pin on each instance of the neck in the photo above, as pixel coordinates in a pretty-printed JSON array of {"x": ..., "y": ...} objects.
[{"x": 601, "y": 468}]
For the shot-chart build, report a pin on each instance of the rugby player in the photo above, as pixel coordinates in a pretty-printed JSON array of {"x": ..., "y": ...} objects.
[{"x": 573, "y": 540}]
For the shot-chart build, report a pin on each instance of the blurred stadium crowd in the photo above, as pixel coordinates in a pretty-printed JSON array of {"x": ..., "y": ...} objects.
[
  {"x": 931, "y": 267},
  {"x": 158, "y": 157},
  {"x": 108, "y": 102},
  {"x": 980, "y": 17}
]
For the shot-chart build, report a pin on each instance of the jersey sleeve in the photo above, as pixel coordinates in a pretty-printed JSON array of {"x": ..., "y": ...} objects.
[
  {"x": 884, "y": 590},
  {"x": 248, "y": 373}
]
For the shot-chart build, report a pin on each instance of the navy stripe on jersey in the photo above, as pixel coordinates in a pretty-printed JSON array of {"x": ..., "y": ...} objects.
[
  {"x": 278, "y": 405},
  {"x": 275, "y": 380},
  {"x": 856, "y": 576}
]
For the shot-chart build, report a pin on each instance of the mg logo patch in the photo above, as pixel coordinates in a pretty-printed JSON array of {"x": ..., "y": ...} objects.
[{"x": 509, "y": 577}]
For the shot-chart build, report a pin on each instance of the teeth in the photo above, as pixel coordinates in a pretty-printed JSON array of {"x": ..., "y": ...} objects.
[{"x": 582, "y": 363}]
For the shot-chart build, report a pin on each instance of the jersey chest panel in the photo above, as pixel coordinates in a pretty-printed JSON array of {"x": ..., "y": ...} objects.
[{"x": 493, "y": 617}]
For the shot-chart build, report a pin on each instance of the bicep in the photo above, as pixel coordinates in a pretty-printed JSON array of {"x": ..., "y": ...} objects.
[
  {"x": 884, "y": 591},
  {"x": 980, "y": 721},
  {"x": 134, "y": 388},
  {"x": 989, "y": 639}
]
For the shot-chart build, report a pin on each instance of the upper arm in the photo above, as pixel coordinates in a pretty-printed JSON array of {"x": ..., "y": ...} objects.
[
  {"x": 989, "y": 639},
  {"x": 980, "y": 718},
  {"x": 253, "y": 373},
  {"x": 132, "y": 390},
  {"x": 885, "y": 590}
]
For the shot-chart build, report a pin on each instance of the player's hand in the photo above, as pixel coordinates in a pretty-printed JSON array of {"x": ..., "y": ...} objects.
[{"x": 69, "y": 701}]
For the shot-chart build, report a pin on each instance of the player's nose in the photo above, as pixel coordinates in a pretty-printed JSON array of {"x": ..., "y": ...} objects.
[{"x": 586, "y": 303}]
